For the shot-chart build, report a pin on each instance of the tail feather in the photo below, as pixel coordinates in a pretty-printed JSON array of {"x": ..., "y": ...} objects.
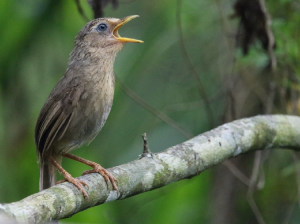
[{"x": 47, "y": 175}]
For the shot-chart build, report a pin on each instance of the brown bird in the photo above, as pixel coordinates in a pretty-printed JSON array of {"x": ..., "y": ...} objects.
[{"x": 79, "y": 104}]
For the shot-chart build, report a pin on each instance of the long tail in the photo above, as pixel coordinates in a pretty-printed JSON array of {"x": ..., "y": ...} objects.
[
  {"x": 47, "y": 177},
  {"x": 47, "y": 174}
]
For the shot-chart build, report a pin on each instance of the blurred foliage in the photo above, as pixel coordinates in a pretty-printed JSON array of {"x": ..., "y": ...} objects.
[{"x": 36, "y": 39}]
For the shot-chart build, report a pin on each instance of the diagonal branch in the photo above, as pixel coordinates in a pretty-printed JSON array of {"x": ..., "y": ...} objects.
[{"x": 179, "y": 162}]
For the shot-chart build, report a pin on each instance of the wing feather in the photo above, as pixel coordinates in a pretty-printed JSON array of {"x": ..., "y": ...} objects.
[
  {"x": 46, "y": 119},
  {"x": 57, "y": 114},
  {"x": 57, "y": 124}
]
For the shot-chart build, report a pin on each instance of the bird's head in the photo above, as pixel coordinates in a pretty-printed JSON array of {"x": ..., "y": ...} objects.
[{"x": 103, "y": 33}]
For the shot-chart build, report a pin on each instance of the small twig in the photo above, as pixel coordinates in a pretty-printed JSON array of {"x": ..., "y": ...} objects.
[
  {"x": 191, "y": 67},
  {"x": 152, "y": 110},
  {"x": 80, "y": 10},
  {"x": 179, "y": 162},
  {"x": 146, "y": 150}
]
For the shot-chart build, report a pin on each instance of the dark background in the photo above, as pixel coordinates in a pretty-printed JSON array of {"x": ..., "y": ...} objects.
[{"x": 222, "y": 42}]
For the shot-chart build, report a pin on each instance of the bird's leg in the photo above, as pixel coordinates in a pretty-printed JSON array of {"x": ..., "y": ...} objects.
[
  {"x": 78, "y": 183},
  {"x": 97, "y": 169}
]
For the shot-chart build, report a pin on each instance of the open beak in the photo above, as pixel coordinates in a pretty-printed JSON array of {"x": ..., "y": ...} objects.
[{"x": 125, "y": 39}]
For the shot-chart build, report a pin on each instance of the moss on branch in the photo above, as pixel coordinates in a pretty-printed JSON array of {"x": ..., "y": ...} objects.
[{"x": 181, "y": 161}]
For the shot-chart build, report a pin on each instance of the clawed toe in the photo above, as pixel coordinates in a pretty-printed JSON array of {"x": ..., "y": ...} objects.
[
  {"x": 97, "y": 169},
  {"x": 107, "y": 176},
  {"x": 84, "y": 183},
  {"x": 79, "y": 184}
]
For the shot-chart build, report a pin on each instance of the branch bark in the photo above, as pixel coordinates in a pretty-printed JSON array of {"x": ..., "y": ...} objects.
[{"x": 179, "y": 162}]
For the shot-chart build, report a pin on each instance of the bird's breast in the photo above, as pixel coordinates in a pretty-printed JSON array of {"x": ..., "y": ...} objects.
[
  {"x": 90, "y": 112},
  {"x": 95, "y": 103}
]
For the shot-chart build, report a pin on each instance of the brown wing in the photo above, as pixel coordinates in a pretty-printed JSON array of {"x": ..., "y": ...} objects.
[{"x": 57, "y": 113}]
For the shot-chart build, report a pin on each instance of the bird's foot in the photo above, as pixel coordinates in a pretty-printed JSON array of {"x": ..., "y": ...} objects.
[
  {"x": 97, "y": 169},
  {"x": 107, "y": 176},
  {"x": 78, "y": 183}
]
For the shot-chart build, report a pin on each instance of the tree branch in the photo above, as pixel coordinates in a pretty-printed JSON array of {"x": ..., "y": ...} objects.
[{"x": 179, "y": 162}]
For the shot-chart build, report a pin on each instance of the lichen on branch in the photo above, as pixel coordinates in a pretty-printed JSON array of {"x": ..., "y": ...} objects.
[{"x": 181, "y": 161}]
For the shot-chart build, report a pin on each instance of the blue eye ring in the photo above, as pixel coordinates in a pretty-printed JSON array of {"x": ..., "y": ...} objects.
[{"x": 102, "y": 27}]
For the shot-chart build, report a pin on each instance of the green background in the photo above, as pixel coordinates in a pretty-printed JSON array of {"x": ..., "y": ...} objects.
[{"x": 35, "y": 41}]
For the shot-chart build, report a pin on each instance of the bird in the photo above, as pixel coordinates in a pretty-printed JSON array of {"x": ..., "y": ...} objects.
[{"x": 80, "y": 103}]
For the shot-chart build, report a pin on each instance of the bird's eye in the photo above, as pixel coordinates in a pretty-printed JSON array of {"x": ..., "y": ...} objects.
[{"x": 102, "y": 27}]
